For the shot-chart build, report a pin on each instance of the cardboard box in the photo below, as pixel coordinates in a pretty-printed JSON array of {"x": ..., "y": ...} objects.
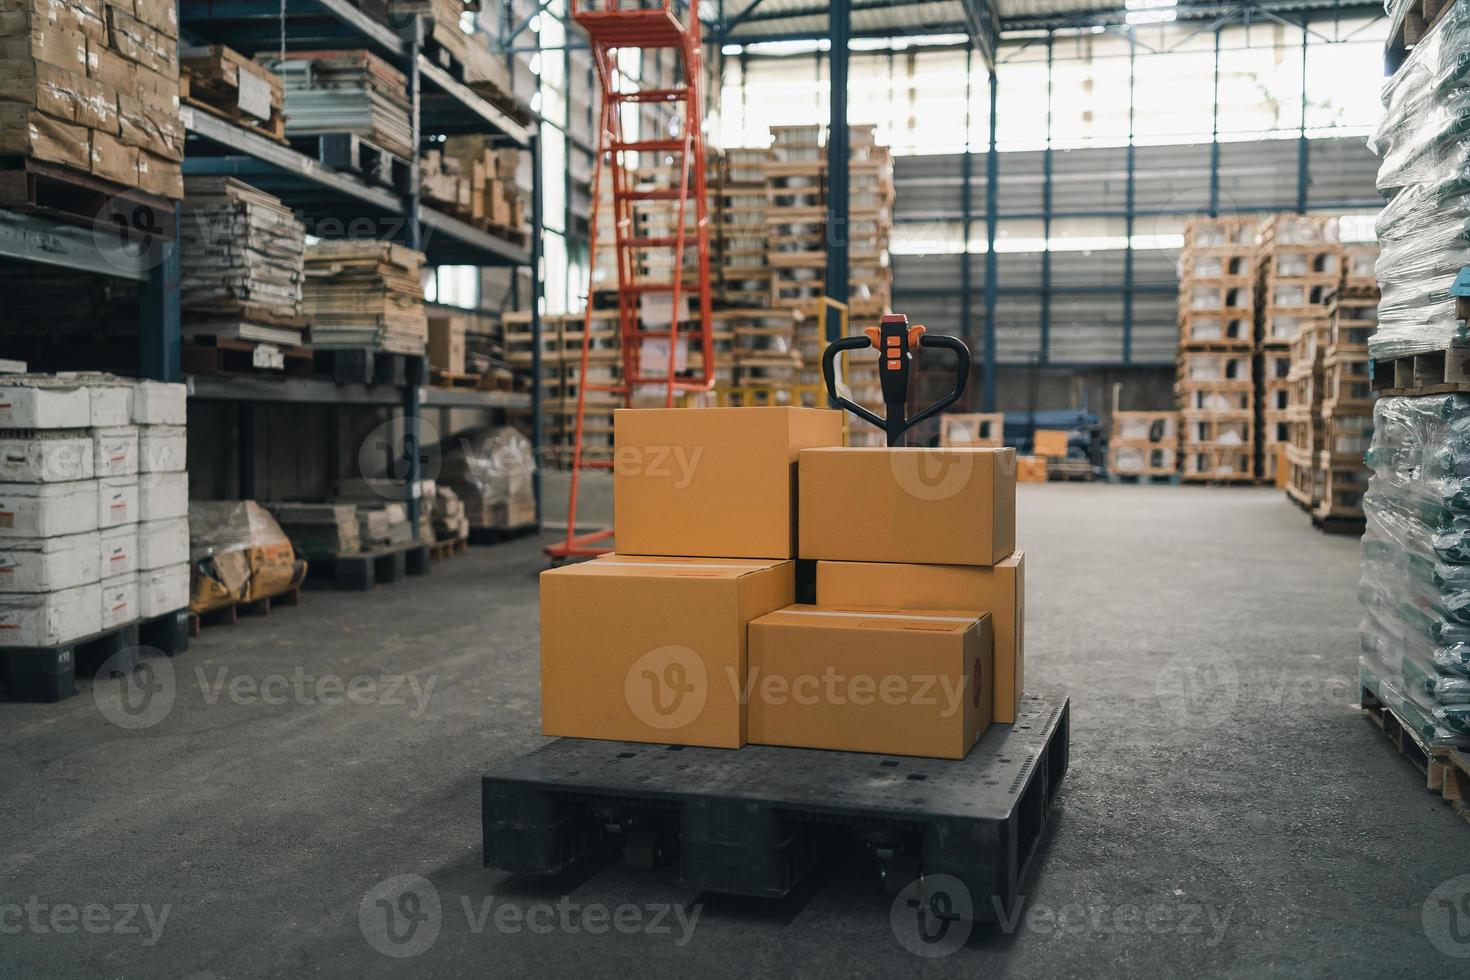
[
  {"x": 119, "y": 550},
  {"x": 163, "y": 590},
  {"x": 894, "y": 683},
  {"x": 163, "y": 496},
  {"x": 218, "y": 580},
  {"x": 46, "y": 456},
  {"x": 162, "y": 449},
  {"x": 1030, "y": 469},
  {"x": 48, "y": 564},
  {"x": 112, "y": 402},
  {"x": 999, "y": 590},
  {"x": 26, "y": 404},
  {"x": 119, "y": 600},
  {"x": 159, "y": 176},
  {"x": 949, "y": 506},
  {"x": 117, "y": 501},
  {"x": 160, "y": 403},
  {"x": 446, "y": 343},
  {"x": 1050, "y": 442},
  {"x": 712, "y": 481},
  {"x": 653, "y": 649},
  {"x": 27, "y": 132},
  {"x": 112, "y": 160},
  {"x": 59, "y": 45},
  {"x": 162, "y": 543},
  {"x": 115, "y": 450},
  {"x": 50, "y": 619},
  {"x": 43, "y": 510}
]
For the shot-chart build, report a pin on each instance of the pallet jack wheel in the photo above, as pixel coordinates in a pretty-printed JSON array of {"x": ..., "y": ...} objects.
[
  {"x": 640, "y": 850},
  {"x": 898, "y": 872}
]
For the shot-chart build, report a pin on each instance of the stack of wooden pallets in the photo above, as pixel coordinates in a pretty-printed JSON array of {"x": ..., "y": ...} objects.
[
  {"x": 744, "y": 275},
  {"x": 1144, "y": 446},
  {"x": 1217, "y": 343},
  {"x": 1303, "y": 414},
  {"x": 1347, "y": 406},
  {"x": 225, "y": 83}
]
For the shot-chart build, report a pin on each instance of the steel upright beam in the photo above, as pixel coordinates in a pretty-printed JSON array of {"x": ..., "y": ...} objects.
[
  {"x": 1303, "y": 177},
  {"x": 412, "y": 436},
  {"x": 967, "y": 207},
  {"x": 160, "y": 334},
  {"x": 1215, "y": 134},
  {"x": 1046, "y": 201},
  {"x": 538, "y": 425},
  {"x": 1129, "y": 216},
  {"x": 838, "y": 153},
  {"x": 992, "y": 203}
]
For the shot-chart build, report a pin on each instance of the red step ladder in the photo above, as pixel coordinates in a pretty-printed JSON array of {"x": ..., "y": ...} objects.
[{"x": 622, "y": 24}]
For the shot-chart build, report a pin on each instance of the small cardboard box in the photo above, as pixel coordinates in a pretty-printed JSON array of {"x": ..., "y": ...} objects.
[
  {"x": 719, "y": 482},
  {"x": 895, "y": 683},
  {"x": 50, "y": 619},
  {"x": 115, "y": 451},
  {"x": 43, "y": 406},
  {"x": 1051, "y": 443},
  {"x": 447, "y": 343},
  {"x": 1030, "y": 469},
  {"x": 160, "y": 403},
  {"x": 653, "y": 649},
  {"x": 162, "y": 543},
  {"x": 163, "y": 590},
  {"x": 163, "y": 496},
  {"x": 48, "y": 564},
  {"x": 999, "y": 590},
  {"x": 119, "y": 550},
  {"x": 44, "y": 510},
  {"x": 162, "y": 449},
  {"x": 46, "y": 456},
  {"x": 119, "y": 600},
  {"x": 946, "y": 506},
  {"x": 112, "y": 403},
  {"x": 117, "y": 501}
]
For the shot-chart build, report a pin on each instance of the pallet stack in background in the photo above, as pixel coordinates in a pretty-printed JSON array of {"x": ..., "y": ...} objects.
[
  {"x": 94, "y": 89},
  {"x": 1217, "y": 343},
  {"x": 1303, "y": 414},
  {"x": 93, "y": 536},
  {"x": 1415, "y": 550},
  {"x": 1144, "y": 446}
]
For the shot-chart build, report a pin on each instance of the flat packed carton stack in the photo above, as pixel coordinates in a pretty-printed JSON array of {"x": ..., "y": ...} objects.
[
  {"x": 692, "y": 633},
  {"x": 1300, "y": 267},
  {"x": 365, "y": 294},
  {"x": 1217, "y": 343},
  {"x": 467, "y": 177},
  {"x": 243, "y": 263},
  {"x": 870, "y": 206},
  {"x": 1144, "y": 444},
  {"x": 346, "y": 93},
  {"x": 93, "y": 87},
  {"x": 744, "y": 276},
  {"x": 93, "y": 496}
]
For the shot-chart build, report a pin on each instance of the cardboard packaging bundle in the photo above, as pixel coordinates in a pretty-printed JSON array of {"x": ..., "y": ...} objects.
[
  {"x": 357, "y": 92},
  {"x": 93, "y": 86},
  {"x": 84, "y": 456},
  {"x": 238, "y": 554},
  {"x": 365, "y": 294}
]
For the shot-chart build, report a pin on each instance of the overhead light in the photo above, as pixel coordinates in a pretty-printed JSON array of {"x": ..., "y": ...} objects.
[
  {"x": 1149, "y": 4},
  {"x": 1150, "y": 16}
]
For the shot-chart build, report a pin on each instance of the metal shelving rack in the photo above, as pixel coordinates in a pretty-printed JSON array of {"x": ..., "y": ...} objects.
[{"x": 442, "y": 105}]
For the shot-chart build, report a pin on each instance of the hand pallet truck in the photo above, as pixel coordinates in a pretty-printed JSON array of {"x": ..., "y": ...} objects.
[{"x": 753, "y": 821}]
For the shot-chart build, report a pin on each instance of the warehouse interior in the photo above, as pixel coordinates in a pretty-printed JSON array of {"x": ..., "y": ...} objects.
[{"x": 414, "y": 412}]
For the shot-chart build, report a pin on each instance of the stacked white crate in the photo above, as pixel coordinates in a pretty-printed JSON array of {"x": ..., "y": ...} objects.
[{"x": 85, "y": 547}]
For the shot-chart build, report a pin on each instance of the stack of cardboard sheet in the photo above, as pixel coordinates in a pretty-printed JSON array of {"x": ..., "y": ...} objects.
[
  {"x": 319, "y": 530},
  {"x": 346, "y": 92},
  {"x": 243, "y": 262},
  {"x": 365, "y": 294},
  {"x": 700, "y": 631},
  {"x": 94, "y": 87}
]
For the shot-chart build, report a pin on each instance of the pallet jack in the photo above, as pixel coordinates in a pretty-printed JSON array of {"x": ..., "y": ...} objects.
[{"x": 753, "y": 821}]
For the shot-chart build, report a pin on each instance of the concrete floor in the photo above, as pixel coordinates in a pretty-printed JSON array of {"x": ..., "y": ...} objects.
[{"x": 1228, "y": 811}]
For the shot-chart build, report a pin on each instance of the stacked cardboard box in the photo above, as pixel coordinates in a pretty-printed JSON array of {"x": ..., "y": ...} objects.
[
  {"x": 1347, "y": 404},
  {"x": 224, "y": 82},
  {"x": 94, "y": 87},
  {"x": 92, "y": 489},
  {"x": 467, "y": 176},
  {"x": 698, "y": 636},
  {"x": 744, "y": 276},
  {"x": 345, "y": 92},
  {"x": 1303, "y": 414},
  {"x": 242, "y": 259},
  {"x": 365, "y": 294},
  {"x": 1217, "y": 342},
  {"x": 1144, "y": 444}
]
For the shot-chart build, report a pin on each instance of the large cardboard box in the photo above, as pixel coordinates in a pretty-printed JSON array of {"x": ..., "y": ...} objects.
[
  {"x": 946, "y": 506},
  {"x": 447, "y": 343},
  {"x": 162, "y": 449},
  {"x": 48, "y": 564},
  {"x": 889, "y": 682},
  {"x": 119, "y": 600},
  {"x": 118, "y": 550},
  {"x": 653, "y": 649},
  {"x": 49, "y": 619},
  {"x": 28, "y": 403},
  {"x": 163, "y": 543},
  {"x": 164, "y": 496},
  {"x": 163, "y": 590},
  {"x": 117, "y": 501},
  {"x": 719, "y": 482},
  {"x": 160, "y": 403},
  {"x": 115, "y": 450},
  {"x": 999, "y": 590},
  {"x": 45, "y": 456},
  {"x": 44, "y": 510}
]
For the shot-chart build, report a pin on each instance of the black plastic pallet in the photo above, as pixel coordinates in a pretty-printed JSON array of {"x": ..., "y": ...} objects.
[
  {"x": 350, "y": 153},
  {"x": 49, "y": 674},
  {"x": 363, "y": 571},
  {"x": 362, "y": 365},
  {"x": 752, "y": 822}
]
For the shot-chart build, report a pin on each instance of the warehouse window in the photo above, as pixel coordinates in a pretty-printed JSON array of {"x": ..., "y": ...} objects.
[{"x": 453, "y": 285}]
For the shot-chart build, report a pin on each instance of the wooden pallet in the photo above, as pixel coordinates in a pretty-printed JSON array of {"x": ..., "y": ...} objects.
[
  {"x": 210, "y": 80},
  {"x": 230, "y": 615},
  {"x": 351, "y": 153},
  {"x": 1418, "y": 17},
  {"x": 1427, "y": 373},
  {"x": 448, "y": 548},
  {"x": 362, "y": 571},
  {"x": 82, "y": 199},
  {"x": 1446, "y": 770},
  {"x": 205, "y": 354}
]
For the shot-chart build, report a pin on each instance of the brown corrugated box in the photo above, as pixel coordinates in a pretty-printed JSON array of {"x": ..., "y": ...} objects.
[{"x": 889, "y": 682}]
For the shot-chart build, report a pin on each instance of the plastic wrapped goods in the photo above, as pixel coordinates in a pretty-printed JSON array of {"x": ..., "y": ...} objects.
[
  {"x": 239, "y": 554},
  {"x": 493, "y": 471}
]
